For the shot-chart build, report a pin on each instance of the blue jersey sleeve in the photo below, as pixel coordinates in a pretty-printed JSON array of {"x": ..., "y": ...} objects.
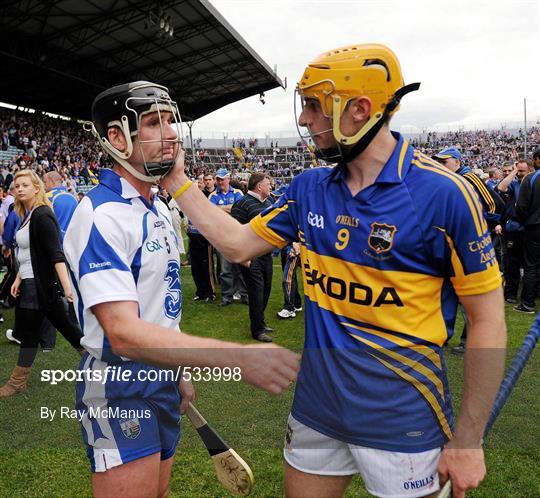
[
  {"x": 10, "y": 227},
  {"x": 238, "y": 194},
  {"x": 64, "y": 206},
  {"x": 469, "y": 257}
]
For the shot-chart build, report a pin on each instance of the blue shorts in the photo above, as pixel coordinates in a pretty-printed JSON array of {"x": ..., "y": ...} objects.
[{"x": 124, "y": 420}]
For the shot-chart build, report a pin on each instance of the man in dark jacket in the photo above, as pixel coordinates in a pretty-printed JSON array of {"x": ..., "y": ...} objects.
[
  {"x": 513, "y": 230},
  {"x": 258, "y": 276},
  {"x": 528, "y": 214}
]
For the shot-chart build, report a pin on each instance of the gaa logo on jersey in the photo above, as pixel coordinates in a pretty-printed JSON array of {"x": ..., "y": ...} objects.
[
  {"x": 315, "y": 220},
  {"x": 131, "y": 428},
  {"x": 381, "y": 237},
  {"x": 153, "y": 245}
]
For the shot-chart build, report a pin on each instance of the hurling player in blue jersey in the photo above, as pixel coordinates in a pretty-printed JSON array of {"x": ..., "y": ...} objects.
[
  {"x": 120, "y": 245},
  {"x": 390, "y": 242}
]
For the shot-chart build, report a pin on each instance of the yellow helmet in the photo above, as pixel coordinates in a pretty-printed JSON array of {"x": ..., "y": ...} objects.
[{"x": 366, "y": 70}]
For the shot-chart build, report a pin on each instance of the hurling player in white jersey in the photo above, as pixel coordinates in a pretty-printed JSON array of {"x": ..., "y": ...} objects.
[{"x": 128, "y": 301}]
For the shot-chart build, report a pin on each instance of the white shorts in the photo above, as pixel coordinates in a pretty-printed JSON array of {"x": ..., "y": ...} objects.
[{"x": 386, "y": 474}]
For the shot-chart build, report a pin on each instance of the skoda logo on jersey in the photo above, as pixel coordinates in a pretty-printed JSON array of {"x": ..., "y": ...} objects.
[
  {"x": 173, "y": 298},
  {"x": 153, "y": 245},
  {"x": 315, "y": 220},
  {"x": 381, "y": 237}
]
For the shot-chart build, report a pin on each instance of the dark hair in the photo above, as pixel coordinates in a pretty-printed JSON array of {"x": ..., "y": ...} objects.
[
  {"x": 526, "y": 161},
  {"x": 254, "y": 179},
  {"x": 536, "y": 153}
]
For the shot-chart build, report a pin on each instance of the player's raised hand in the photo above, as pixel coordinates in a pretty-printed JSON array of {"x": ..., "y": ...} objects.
[
  {"x": 177, "y": 176},
  {"x": 268, "y": 367}
]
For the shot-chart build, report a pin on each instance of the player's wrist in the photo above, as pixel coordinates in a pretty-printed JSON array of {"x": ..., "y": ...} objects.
[
  {"x": 182, "y": 188},
  {"x": 465, "y": 441},
  {"x": 174, "y": 182}
]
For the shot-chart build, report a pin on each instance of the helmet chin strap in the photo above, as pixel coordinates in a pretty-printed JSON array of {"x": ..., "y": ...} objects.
[
  {"x": 330, "y": 154},
  {"x": 368, "y": 131},
  {"x": 350, "y": 153},
  {"x": 138, "y": 174}
]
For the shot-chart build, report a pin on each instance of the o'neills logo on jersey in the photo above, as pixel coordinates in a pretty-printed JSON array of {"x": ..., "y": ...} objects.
[
  {"x": 348, "y": 221},
  {"x": 352, "y": 292},
  {"x": 381, "y": 237},
  {"x": 94, "y": 266},
  {"x": 315, "y": 220},
  {"x": 419, "y": 483}
]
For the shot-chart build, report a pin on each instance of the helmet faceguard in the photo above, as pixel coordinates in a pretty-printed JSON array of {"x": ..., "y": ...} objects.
[
  {"x": 336, "y": 77},
  {"x": 124, "y": 106}
]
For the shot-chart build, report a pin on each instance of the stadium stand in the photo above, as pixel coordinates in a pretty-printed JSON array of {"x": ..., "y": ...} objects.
[{"x": 46, "y": 143}]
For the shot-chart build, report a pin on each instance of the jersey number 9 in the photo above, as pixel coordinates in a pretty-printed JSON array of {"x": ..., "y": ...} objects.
[{"x": 343, "y": 239}]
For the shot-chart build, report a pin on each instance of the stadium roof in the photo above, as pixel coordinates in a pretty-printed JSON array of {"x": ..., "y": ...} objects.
[{"x": 57, "y": 55}]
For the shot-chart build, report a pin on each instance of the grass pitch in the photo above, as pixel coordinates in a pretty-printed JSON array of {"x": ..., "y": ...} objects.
[{"x": 47, "y": 459}]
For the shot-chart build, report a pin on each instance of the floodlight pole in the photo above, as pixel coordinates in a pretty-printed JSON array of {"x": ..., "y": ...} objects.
[{"x": 525, "y": 126}]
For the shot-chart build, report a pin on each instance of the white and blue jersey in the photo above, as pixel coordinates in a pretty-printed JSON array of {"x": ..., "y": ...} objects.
[{"x": 121, "y": 248}]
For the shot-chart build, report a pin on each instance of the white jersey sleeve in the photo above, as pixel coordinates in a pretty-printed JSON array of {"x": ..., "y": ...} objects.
[{"x": 101, "y": 251}]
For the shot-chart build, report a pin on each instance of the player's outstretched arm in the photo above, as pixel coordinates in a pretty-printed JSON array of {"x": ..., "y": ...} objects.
[
  {"x": 267, "y": 367},
  {"x": 462, "y": 459},
  {"x": 236, "y": 242}
]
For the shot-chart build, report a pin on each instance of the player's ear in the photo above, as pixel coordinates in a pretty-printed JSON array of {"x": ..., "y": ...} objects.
[
  {"x": 116, "y": 138},
  {"x": 360, "y": 108}
]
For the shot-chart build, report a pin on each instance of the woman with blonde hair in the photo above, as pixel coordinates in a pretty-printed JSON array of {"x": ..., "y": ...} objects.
[{"x": 41, "y": 280}]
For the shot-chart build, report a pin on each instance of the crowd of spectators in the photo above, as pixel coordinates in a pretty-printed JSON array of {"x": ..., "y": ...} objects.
[
  {"x": 44, "y": 143},
  {"x": 482, "y": 149},
  {"x": 279, "y": 162}
]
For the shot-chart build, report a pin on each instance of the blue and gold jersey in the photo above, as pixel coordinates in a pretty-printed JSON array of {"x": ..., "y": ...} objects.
[
  {"x": 382, "y": 274},
  {"x": 228, "y": 198}
]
